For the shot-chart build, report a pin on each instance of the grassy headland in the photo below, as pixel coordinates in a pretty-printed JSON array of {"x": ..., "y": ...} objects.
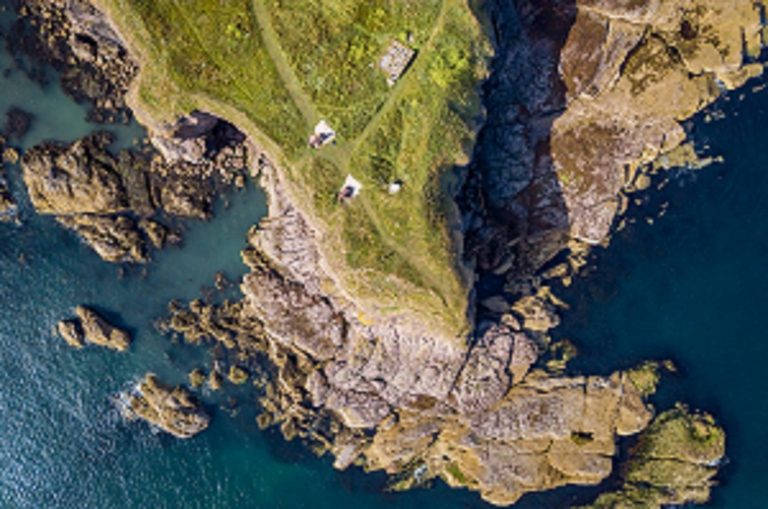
[{"x": 275, "y": 68}]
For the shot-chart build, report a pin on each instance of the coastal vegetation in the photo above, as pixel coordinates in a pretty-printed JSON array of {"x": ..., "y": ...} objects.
[{"x": 277, "y": 68}]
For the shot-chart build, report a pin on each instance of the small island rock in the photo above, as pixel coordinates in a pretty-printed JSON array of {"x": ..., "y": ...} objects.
[
  {"x": 100, "y": 332},
  {"x": 173, "y": 410}
]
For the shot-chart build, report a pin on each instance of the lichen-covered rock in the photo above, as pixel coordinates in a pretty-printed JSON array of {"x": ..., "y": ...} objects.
[
  {"x": 632, "y": 77},
  {"x": 196, "y": 378},
  {"x": 674, "y": 462},
  {"x": 173, "y": 410},
  {"x": 114, "y": 238},
  {"x": 72, "y": 333},
  {"x": 99, "y": 331}
]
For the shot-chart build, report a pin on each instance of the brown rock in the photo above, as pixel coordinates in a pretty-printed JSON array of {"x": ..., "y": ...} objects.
[
  {"x": 71, "y": 332},
  {"x": 100, "y": 332},
  {"x": 173, "y": 410}
]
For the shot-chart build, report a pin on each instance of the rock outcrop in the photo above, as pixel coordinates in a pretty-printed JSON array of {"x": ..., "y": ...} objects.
[
  {"x": 673, "y": 463},
  {"x": 90, "y": 327},
  {"x": 76, "y": 39},
  {"x": 71, "y": 332},
  {"x": 110, "y": 200},
  {"x": 98, "y": 331},
  {"x": 584, "y": 96},
  {"x": 173, "y": 410}
]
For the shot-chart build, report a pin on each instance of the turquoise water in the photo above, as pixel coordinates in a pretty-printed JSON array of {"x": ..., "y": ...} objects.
[{"x": 689, "y": 287}]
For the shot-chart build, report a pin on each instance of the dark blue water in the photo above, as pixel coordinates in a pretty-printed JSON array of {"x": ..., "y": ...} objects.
[{"x": 692, "y": 287}]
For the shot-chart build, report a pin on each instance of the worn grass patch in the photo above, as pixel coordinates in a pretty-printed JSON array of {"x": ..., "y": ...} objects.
[{"x": 279, "y": 66}]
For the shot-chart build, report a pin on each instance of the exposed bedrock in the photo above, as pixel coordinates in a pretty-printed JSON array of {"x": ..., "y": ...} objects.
[
  {"x": 584, "y": 95},
  {"x": 91, "y": 327},
  {"x": 172, "y": 409},
  {"x": 113, "y": 200},
  {"x": 76, "y": 39}
]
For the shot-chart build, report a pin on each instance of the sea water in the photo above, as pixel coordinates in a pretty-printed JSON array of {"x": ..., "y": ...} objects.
[{"x": 689, "y": 288}]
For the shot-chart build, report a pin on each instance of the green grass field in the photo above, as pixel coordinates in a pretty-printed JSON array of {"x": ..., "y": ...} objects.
[{"x": 276, "y": 67}]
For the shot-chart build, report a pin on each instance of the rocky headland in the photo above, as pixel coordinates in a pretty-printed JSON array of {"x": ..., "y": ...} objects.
[
  {"x": 584, "y": 96},
  {"x": 673, "y": 463},
  {"x": 171, "y": 409}
]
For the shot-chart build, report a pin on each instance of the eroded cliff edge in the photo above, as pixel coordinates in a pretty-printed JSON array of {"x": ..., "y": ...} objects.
[{"x": 482, "y": 414}]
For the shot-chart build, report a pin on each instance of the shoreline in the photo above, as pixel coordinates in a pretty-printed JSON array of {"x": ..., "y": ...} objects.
[{"x": 314, "y": 285}]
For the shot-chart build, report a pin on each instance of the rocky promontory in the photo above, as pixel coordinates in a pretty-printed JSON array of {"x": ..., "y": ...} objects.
[
  {"x": 673, "y": 463},
  {"x": 172, "y": 409},
  {"x": 114, "y": 201}
]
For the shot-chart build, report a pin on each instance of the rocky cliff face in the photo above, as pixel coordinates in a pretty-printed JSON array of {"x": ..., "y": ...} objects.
[
  {"x": 586, "y": 94},
  {"x": 633, "y": 72}
]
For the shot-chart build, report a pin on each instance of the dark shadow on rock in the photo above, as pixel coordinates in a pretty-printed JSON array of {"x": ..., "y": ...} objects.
[{"x": 515, "y": 217}]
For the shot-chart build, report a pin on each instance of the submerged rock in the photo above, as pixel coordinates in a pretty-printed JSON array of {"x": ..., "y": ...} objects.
[
  {"x": 196, "y": 378},
  {"x": 17, "y": 123},
  {"x": 99, "y": 331},
  {"x": 173, "y": 410}
]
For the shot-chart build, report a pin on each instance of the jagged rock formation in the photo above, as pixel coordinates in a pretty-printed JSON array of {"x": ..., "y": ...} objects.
[
  {"x": 71, "y": 332},
  {"x": 585, "y": 94},
  {"x": 74, "y": 37},
  {"x": 98, "y": 331},
  {"x": 673, "y": 463},
  {"x": 391, "y": 394},
  {"x": 91, "y": 327},
  {"x": 414, "y": 405},
  {"x": 109, "y": 199},
  {"x": 173, "y": 410},
  {"x": 633, "y": 72}
]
